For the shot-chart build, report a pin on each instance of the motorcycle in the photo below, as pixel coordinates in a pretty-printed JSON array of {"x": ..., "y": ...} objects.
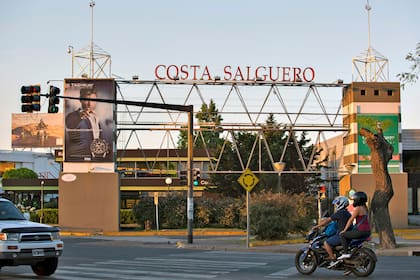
[{"x": 362, "y": 261}]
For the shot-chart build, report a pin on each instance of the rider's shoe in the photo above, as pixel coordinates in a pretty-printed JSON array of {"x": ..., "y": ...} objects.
[
  {"x": 347, "y": 272},
  {"x": 344, "y": 256},
  {"x": 333, "y": 263}
]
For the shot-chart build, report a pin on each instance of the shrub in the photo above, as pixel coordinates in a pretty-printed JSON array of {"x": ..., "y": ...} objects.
[
  {"x": 274, "y": 216},
  {"x": 50, "y": 216},
  {"x": 127, "y": 217},
  {"x": 270, "y": 217},
  {"x": 173, "y": 211},
  {"x": 144, "y": 211}
]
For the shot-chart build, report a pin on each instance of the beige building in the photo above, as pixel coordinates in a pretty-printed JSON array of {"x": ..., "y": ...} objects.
[{"x": 369, "y": 105}]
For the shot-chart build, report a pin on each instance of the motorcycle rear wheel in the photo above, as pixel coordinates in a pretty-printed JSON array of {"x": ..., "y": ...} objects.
[
  {"x": 306, "y": 261},
  {"x": 364, "y": 263}
]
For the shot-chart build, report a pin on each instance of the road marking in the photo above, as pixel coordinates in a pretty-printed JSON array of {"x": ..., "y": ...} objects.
[{"x": 283, "y": 273}]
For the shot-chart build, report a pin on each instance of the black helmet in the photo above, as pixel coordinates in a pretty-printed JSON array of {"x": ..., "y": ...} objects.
[{"x": 359, "y": 198}]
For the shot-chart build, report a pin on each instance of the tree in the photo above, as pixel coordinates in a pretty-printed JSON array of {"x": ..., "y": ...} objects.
[
  {"x": 20, "y": 173},
  {"x": 208, "y": 137},
  {"x": 381, "y": 154},
  {"x": 412, "y": 76},
  {"x": 276, "y": 139},
  {"x": 209, "y": 119}
]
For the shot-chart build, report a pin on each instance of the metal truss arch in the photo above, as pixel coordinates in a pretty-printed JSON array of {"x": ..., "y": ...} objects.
[{"x": 244, "y": 106}]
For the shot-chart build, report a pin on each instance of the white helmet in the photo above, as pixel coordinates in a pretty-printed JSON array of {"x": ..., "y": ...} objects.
[{"x": 340, "y": 202}]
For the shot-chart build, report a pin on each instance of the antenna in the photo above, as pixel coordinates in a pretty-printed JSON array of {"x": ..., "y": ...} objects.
[
  {"x": 92, "y": 61},
  {"x": 91, "y": 64},
  {"x": 370, "y": 66},
  {"x": 368, "y": 8}
]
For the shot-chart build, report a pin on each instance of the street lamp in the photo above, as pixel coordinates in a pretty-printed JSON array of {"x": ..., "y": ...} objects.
[
  {"x": 279, "y": 167},
  {"x": 168, "y": 181}
]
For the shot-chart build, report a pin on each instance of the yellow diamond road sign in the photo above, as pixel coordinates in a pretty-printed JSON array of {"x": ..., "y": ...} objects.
[{"x": 248, "y": 180}]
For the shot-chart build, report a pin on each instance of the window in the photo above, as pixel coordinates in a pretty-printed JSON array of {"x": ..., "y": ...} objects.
[
  {"x": 376, "y": 92},
  {"x": 389, "y": 92},
  {"x": 363, "y": 92}
]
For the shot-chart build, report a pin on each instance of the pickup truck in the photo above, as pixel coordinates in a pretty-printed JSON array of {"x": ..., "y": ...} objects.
[{"x": 23, "y": 242}]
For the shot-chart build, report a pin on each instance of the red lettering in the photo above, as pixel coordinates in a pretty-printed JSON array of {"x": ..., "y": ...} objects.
[
  {"x": 311, "y": 72},
  {"x": 184, "y": 72},
  {"x": 172, "y": 72},
  {"x": 206, "y": 73},
  {"x": 296, "y": 74},
  {"x": 157, "y": 72},
  {"x": 270, "y": 70},
  {"x": 247, "y": 73},
  {"x": 238, "y": 74},
  {"x": 227, "y": 72},
  {"x": 286, "y": 74},
  {"x": 257, "y": 76},
  {"x": 194, "y": 67}
]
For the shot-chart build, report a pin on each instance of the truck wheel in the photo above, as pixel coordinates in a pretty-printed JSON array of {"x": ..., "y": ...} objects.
[{"x": 45, "y": 267}]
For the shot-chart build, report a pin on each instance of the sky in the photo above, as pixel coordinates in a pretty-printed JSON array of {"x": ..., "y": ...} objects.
[{"x": 139, "y": 35}]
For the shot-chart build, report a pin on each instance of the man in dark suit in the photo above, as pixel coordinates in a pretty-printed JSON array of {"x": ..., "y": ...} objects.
[{"x": 84, "y": 139}]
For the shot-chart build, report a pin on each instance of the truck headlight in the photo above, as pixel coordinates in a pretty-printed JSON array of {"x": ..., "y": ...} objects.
[
  {"x": 9, "y": 236},
  {"x": 55, "y": 235}
]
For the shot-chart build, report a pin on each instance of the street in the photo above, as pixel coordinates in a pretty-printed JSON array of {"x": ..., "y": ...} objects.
[{"x": 94, "y": 258}]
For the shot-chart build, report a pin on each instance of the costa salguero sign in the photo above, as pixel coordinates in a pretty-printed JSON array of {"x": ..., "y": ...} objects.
[{"x": 235, "y": 73}]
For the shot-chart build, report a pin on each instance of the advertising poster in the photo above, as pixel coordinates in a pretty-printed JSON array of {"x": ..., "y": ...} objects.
[
  {"x": 37, "y": 130},
  {"x": 89, "y": 125},
  {"x": 389, "y": 125}
]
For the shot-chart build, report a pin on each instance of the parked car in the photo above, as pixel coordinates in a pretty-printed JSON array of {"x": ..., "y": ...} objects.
[{"x": 23, "y": 242}]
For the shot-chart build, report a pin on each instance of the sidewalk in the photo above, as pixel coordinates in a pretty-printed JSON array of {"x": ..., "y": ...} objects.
[{"x": 408, "y": 241}]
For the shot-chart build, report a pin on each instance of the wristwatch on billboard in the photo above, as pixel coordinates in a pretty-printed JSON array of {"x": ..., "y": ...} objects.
[{"x": 99, "y": 148}]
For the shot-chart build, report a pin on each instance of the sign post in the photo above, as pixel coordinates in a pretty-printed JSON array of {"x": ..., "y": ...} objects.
[{"x": 247, "y": 180}]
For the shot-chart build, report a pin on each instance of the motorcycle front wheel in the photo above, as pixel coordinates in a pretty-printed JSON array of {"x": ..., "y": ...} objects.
[
  {"x": 364, "y": 263},
  {"x": 305, "y": 261}
]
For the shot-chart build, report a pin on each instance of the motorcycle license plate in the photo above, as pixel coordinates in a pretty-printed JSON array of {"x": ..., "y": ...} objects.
[{"x": 38, "y": 252}]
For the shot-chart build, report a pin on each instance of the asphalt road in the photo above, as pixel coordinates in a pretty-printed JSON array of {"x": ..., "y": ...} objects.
[{"x": 95, "y": 258}]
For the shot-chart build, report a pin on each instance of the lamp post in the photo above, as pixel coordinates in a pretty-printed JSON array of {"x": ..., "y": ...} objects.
[{"x": 42, "y": 202}]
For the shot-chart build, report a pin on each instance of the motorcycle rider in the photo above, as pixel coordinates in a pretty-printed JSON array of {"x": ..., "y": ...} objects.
[
  {"x": 341, "y": 216},
  {"x": 362, "y": 227}
]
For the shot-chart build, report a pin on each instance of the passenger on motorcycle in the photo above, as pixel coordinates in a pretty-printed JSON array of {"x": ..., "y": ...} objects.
[
  {"x": 362, "y": 227},
  {"x": 341, "y": 216}
]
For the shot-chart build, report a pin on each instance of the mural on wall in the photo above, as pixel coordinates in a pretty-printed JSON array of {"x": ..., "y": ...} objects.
[{"x": 390, "y": 127}]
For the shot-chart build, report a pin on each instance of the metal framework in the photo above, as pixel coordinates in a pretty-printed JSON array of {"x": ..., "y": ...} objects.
[{"x": 243, "y": 106}]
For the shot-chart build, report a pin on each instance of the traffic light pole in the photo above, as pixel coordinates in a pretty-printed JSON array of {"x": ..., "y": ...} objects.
[
  {"x": 183, "y": 108},
  {"x": 190, "y": 193}
]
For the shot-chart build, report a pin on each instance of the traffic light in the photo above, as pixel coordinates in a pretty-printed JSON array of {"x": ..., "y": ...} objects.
[
  {"x": 196, "y": 176},
  {"x": 30, "y": 98},
  {"x": 53, "y": 99},
  {"x": 183, "y": 177},
  {"x": 322, "y": 191}
]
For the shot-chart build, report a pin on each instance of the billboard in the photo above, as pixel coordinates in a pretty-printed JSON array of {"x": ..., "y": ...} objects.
[
  {"x": 37, "y": 130},
  {"x": 389, "y": 124},
  {"x": 89, "y": 125}
]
